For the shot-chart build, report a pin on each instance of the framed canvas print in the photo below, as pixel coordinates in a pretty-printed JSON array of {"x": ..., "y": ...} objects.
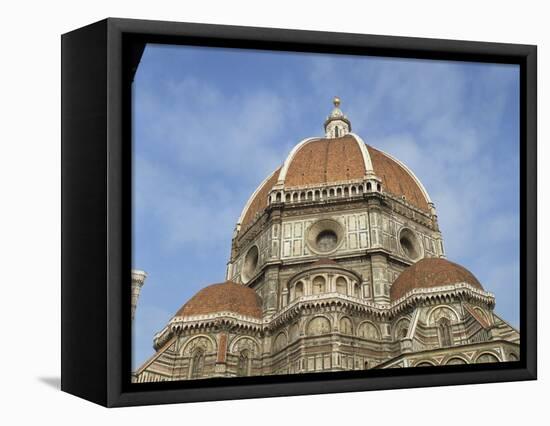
[{"x": 254, "y": 212}]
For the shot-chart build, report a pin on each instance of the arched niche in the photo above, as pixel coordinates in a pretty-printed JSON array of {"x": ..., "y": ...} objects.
[
  {"x": 401, "y": 328},
  {"x": 455, "y": 360},
  {"x": 369, "y": 331},
  {"x": 436, "y": 314},
  {"x": 341, "y": 285},
  {"x": 318, "y": 285},
  {"x": 280, "y": 342},
  {"x": 487, "y": 358},
  {"x": 203, "y": 342},
  {"x": 241, "y": 343},
  {"x": 318, "y": 326},
  {"x": 346, "y": 326}
]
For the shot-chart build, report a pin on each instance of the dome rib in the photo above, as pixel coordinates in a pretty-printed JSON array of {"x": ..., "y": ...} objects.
[
  {"x": 364, "y": 151},
  {"x": 290, "y": 157},
  {"x": 258, "y": 200}
]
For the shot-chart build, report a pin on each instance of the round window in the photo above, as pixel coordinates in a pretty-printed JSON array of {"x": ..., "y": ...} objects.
[
  {"x": 324, "y": 236},
  {"x": 326, "y": 240},
  {"x": 250, "y": 264},
  {"x": 409, "y": 244}
]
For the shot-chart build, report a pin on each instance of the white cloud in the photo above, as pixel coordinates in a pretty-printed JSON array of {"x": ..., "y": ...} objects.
[
  {"x": 207, "y": 131},
  {"x": 213, "y": 151}
]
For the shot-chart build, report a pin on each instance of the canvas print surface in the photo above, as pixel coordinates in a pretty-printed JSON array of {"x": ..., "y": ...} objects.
[{"x": 297, "y": 213}]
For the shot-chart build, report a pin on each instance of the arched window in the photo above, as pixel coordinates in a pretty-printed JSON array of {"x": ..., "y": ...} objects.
[
  {"x": 286, "y": 296},
  {"x": 278, "y": 197},
  {"x": 341, "y": 285},
  {"x": 366, "y": 365},
  {"x": 486, "y": 358},
  {"x": 356, "y": 291},
  {"x": 445, "y": 332},
  {"x": 244, "y": 364},
  {"x": 369, "y": 331},
  {"x": 369, "y": 186},
  {"x": 336, "y": 131},
  {"x": 280, "y": 342},
  {"x": 318, "y": 326},
  {"x": 197, "y": 364},
  {"x": 287, "y": 198},
  {"x": 401, "y": 328},
  {"x": 318, "y": 285},
  {"x": 298, "y": 289},
  {"x": 346, "y": 326},
  {"x": 294, "y": 332},
  {"x": 455, "y": 361},
  {"x": 378, "y": 187}
]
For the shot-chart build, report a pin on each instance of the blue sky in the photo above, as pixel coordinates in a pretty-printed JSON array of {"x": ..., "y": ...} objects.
[{"x": 210, "y": 124}]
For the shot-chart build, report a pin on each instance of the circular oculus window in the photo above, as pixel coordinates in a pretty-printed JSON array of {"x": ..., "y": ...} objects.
[
  {"x": 409, "y": 244},
  {"x": 324, "y": 236},
  {"x": 326, "y": 240},
  {"x": 250, "y": 264}
]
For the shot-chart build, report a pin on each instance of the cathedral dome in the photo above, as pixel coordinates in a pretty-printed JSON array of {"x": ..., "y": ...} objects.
[
  {"x": 429, "y": 273},
  {"x": 223, "y": 297},
  {"x": 321, "y": 162}
]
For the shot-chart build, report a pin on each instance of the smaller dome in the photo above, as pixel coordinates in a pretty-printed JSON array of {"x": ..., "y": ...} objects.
[
  {"x": 223, "y": 297},
  {"x": 429, "y": 273}
]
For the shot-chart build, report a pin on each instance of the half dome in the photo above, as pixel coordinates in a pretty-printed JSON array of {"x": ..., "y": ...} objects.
[
  {"x": 430, "y": 273},
  {"x": 223, "y": 297}
]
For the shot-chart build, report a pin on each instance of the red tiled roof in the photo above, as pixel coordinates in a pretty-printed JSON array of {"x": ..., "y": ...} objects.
[
  {"x": 396, "y": 180},
  {"x": 326, "y": 160},
  {"x": 259, "y": 203},
  {"x": 431, "y": 272},
  {"x": 223, "y": 297}
]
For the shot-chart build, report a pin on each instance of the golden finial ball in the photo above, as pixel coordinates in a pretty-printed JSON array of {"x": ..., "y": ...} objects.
[{"x": 336, "y": 101}]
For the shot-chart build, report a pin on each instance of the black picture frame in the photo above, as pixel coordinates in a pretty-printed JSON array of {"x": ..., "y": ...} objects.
[{"x": 98, "y": 64}]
